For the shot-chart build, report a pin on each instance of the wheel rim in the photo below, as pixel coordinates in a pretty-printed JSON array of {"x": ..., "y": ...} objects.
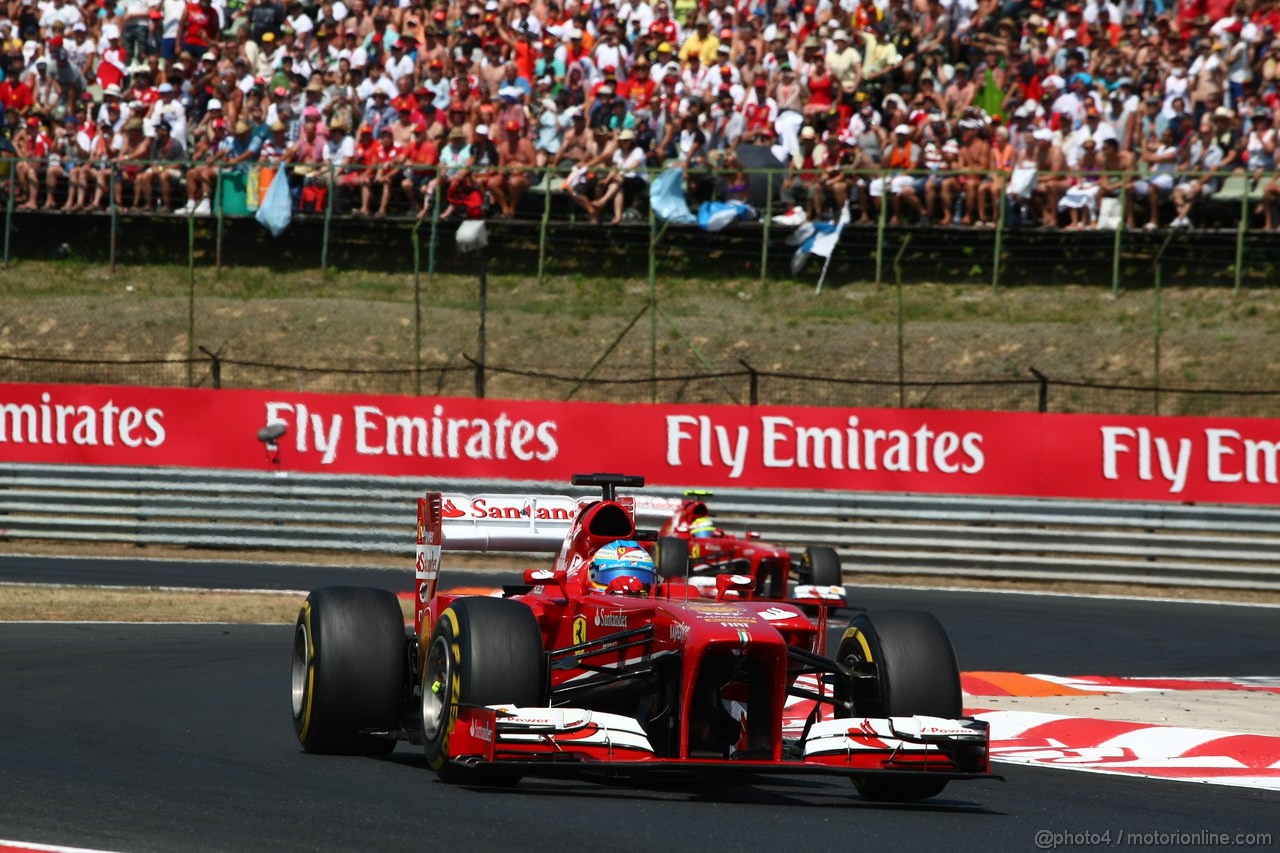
[
  {"x": 435, "y": 689},
  {"x": 300, "y": 667}
]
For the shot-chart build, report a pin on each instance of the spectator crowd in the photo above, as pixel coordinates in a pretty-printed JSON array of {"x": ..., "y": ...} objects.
[{"x": 1108, "y": 112}]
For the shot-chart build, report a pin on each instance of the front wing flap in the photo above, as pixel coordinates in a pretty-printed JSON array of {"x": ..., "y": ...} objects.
[{"x": 538, "y": 739}]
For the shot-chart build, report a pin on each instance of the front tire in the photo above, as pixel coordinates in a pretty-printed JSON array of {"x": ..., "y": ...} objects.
[
  {"x": 483, "y": 651},
  {"x": 348, "y": 670},
  {"x": 917, "y": 674},
  {"x": 821, "y": 567}
]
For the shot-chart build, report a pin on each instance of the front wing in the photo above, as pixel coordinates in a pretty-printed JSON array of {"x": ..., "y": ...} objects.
[{"x": 555, "y": 741}]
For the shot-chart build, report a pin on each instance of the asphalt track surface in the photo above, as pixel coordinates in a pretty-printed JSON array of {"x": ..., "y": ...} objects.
[{"x": 178, "y": 738}]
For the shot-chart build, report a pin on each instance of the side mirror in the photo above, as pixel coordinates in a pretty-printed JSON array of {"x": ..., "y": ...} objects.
[
  {"x": 751, "y": 534},
  {"x": 733, "y": 583}
]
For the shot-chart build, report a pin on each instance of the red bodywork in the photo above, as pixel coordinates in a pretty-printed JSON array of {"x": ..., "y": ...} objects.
[{"x": 708, "y": 663}]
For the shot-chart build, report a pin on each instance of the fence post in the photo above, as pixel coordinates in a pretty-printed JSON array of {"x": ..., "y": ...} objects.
[
  {"x": 753, "y": 383},
  {"x": 653, "y": 306},
  {"x": 880, "y": 226},
  {"x": 328, "y": 217},
  {"x": 482, "y": 331},
  {"x": 191, "y": 301},
  {"x": 1240, "y": 232},
  {"x": 1000, "y": 198},
  {"x": 111, "y": 205},
  {"x": 1115, "y": 251},
  {"x": 8, "y": 213},
  {"x": 1159, "y": 273},
  {"x": 215, "y": 366},
  {"x": 417, "y": 309},
  {"x": 902, "y": 359},
  {"x": 1042, "y": 402},
  {"x": 764, "y": 240},
  {"x": 217, "y": 213},
  {"x": 542, "y": 227}
]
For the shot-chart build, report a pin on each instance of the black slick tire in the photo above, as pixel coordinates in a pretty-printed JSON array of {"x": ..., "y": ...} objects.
[
  {"x": 917, "y": 674},
  {"x": 349, "y": 662},
  {"x": 482, "y": 651},
  {"x": 671, "y": 557},
  {"x": 821, "y": 567}
]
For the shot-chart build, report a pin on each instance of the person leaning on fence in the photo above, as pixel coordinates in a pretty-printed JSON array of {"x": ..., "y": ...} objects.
[
  {"x": 131, "y": 163},
  {"x": 900, "y": 158},
  {"x": 804, "y": 171},
  {"x": 517, "y": 159},
  {"x": 63, "y": 159},
  {"x": 420, "y": 158},
  {"x": 1161, "y": 158},
  {"x": 382, "y": 159},
  {"x": 166, "y": 160}
]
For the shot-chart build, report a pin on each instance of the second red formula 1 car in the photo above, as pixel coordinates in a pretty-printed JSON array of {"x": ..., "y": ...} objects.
[
  {"x": 603, "y": 665},
  {"x": 690, "y": 534}
]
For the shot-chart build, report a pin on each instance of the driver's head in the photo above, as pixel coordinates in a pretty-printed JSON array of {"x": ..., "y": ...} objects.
[
  {"x": 623, "y": 566},
  {"x": 702, "y": 528}
]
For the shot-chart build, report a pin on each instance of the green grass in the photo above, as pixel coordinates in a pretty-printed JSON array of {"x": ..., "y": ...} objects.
[{"x": 1210, "y": 338}]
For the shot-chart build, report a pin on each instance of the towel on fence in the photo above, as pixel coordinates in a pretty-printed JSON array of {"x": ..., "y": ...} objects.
[
  {"x": 277, "y": 207},
  {"x": 666, "y": 197}
]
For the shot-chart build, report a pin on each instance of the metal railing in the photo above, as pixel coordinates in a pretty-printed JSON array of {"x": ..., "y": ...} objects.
[
  {"x": 940, "y": 537},
  {"x": 1237, "y": 250}
]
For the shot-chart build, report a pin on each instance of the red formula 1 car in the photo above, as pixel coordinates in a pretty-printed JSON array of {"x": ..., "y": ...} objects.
[
  {"x": 689, "y": 534},
  {"x": 638, "y": 676}
]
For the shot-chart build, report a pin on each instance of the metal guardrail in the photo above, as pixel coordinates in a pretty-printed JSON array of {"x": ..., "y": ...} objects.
[{"x": 943, "y": 536}]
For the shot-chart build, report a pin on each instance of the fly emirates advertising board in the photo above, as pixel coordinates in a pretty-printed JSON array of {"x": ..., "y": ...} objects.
[{"x": 1228, "y": 460}]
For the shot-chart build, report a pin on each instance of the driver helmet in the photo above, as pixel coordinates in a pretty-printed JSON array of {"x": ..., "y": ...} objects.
[
  {"x": 702, "y": 528},
  {"x": 622, "y": 558}
]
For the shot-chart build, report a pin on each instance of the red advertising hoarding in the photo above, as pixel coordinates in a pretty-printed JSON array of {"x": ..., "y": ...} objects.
[{"x": 1228, "y": 460}]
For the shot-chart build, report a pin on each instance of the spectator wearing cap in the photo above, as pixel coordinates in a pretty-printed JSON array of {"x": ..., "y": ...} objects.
[
  {"x": 577, "y": 144},
  {"x": 455, "y": 160},
  {"x": 702, "y": 41},
  {"x": 378, "y": 111},
  {"x": 164, "y": 167},
  {"x": 131, "y": 162},
  {"x": 759, "y": 111},
  {"x": 1092, "y": 128},
  {"x": 960, "y": 92},
  {"x": 1260, "y": 142},
  {"x": 843, "y": 60},
  {"x": 517, "y": 158},
  {"x": 169, "y": 110},
  {"x": 901, "y": 156},
  {"x": 804, "y": 171},
  {"x": 625, "y": 184},
  {"x": 34, "y": 145}
]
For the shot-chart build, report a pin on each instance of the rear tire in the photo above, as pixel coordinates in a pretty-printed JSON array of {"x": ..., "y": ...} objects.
[
  {"x": 671, "y": 557},
  {"x": 483, "y": 651},
  {"x": 822, "y": 567},
  {"x": 348, "y": 670},
  {"x": 918, "y": 674}
]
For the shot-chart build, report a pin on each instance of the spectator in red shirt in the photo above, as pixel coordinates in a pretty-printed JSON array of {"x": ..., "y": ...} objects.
[
  {"x": 382, "y": 157},
  {"x": 419, "y": 156}
]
